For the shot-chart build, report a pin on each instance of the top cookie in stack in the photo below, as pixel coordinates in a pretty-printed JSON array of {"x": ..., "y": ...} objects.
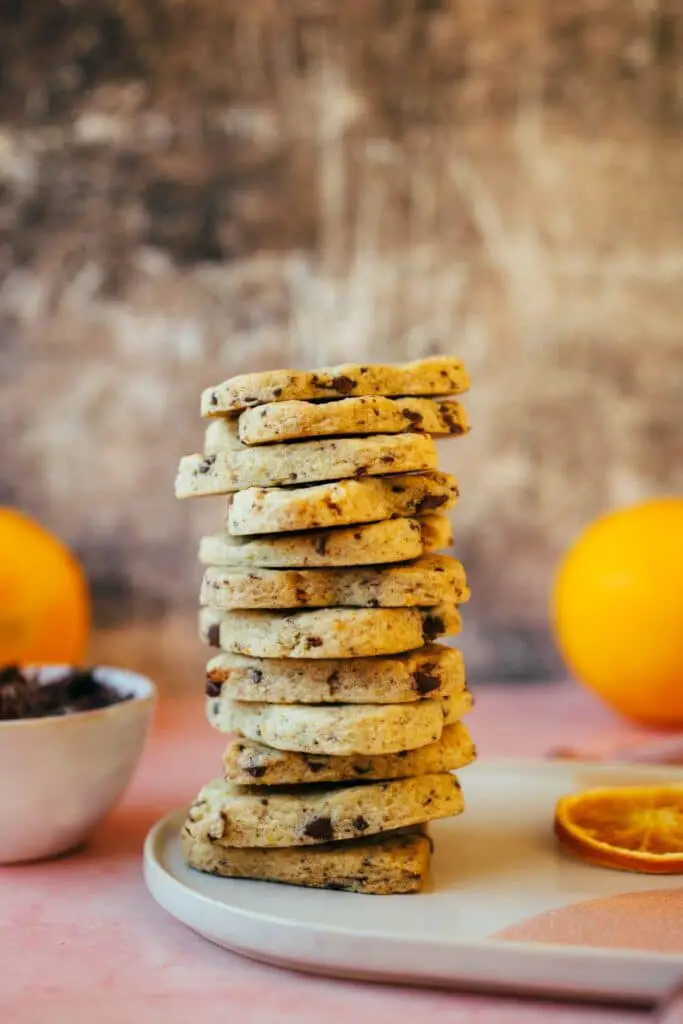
[{"x": 325, "y": 593}]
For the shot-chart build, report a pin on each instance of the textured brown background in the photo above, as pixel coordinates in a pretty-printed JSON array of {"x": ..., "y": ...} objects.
[{"x": 194, "y": 188}]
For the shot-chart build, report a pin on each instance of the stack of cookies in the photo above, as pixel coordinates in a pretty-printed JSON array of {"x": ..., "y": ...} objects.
[{"x": 325, "y": 594}]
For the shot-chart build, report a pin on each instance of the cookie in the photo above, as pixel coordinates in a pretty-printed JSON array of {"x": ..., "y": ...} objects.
[
  {"x": 396, "y": 540},
  {"x": 437, "y": 532},
  {"x": 229, "y": 815},
  {"x": 314, "y": 728},
  {"x": 455, "y": 703},
  {"x": 295, "y": 421},
  {"x": 426, "y": 581},
  {"x": 223, "y": 435},
  {"x": 339, "y": 503},
  {"x": 433, "y": 670},
  {"x": 248, "y": 762},
  {"x": 439, "y": 375},
  {"x": 304, "y": 463},
  {"x": 338, "y": 729},
  {"x": 326, "y": 632},
  {"x": 381, "y": 865}
]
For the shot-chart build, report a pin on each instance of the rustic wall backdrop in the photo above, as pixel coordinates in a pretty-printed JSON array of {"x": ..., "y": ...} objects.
[{"x": 194, "y": 188}]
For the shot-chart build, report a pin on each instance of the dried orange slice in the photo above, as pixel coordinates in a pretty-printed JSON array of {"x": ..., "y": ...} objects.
[{"x": 630, "y": 828}]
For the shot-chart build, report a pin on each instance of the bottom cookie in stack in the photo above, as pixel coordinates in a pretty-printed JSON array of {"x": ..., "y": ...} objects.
[{"x": 381, "y": 865}]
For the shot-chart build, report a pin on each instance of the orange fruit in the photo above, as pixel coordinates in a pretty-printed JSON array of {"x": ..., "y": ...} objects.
[
  {"x": 631, "y": 828},
  {"x": 44, "y": 601},
  {"x": 617, "y": 610}
]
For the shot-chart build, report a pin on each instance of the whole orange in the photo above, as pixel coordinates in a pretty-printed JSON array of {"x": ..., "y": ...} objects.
[
  {"x": 617, "y": 610},
  {"x": 44, "y": 601}
]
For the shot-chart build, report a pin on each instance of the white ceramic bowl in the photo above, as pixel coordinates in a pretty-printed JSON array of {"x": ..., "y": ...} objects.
[{"x": 59, "y": 776}]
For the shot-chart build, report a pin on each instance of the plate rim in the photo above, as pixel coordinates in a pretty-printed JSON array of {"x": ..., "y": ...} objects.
[{"x": 154, "y": 869}]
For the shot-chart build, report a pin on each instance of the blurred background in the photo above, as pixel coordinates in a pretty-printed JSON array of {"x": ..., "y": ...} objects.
[{"x": 191, "y": 189}]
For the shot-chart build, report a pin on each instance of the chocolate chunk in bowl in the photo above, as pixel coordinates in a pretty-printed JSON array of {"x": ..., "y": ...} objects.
[{"x": 25, "y": 693}]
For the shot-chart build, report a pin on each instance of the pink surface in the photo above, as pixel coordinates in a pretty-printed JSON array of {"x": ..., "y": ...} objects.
[
  {"x": 81, "y": 940},
  {"x": 652, "y": 921}
]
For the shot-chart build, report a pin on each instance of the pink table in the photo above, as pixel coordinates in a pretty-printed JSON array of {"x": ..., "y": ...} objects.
[{"x": 81, "y": 942}]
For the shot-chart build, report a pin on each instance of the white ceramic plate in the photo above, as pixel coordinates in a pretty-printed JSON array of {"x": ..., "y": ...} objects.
[{"x": 495, "y": 867}]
